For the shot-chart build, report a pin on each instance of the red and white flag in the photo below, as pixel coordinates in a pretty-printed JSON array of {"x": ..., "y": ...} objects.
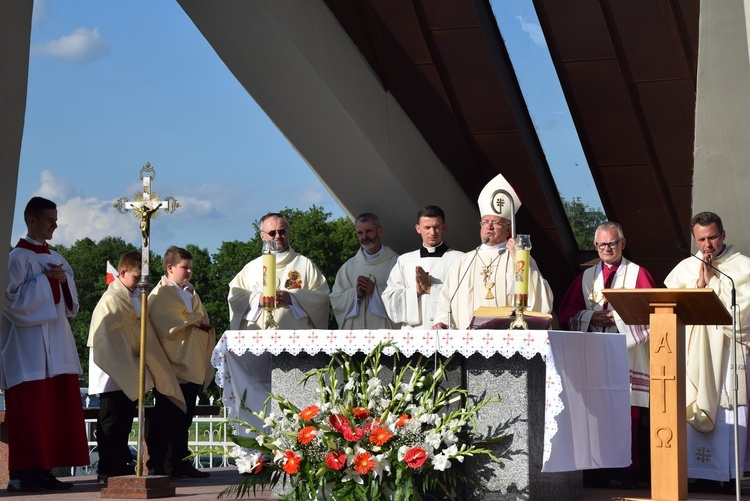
[{"x": 111, "y": 273}]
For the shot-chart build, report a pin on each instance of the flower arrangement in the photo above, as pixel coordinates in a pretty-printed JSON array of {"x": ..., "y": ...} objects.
[{"x": 365, "y": 439}]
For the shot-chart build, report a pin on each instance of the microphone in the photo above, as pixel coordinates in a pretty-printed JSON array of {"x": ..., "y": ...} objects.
[
  {"x": 450, "y": 304},
  {"x": 734, "y": 290}
]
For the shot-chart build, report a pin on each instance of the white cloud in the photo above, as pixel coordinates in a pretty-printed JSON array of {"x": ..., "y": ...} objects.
[
  {"x": 81, "y": 45},
  {"x": 53, "y": 187},
  {"x": 534, "y": 31}
]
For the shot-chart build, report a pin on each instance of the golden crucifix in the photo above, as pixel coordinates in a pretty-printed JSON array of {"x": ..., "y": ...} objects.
[{"x": 145, "y": 206}]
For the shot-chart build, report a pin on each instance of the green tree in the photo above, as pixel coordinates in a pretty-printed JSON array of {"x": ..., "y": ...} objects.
[{"x": 583, "y": 220}]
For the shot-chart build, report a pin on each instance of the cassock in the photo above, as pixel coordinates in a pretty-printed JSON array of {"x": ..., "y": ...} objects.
[
  {"x": 368, "y": 312},
  {"x": 400, "y": 295},
  {"x": 710, "y": 439},
  {"x": 114, "y": 355},
  {"x": 39, "y": 364},
  {"x": 485, "y": 278},
  {"x": 178, "y": 329},
  {"x": 584, "y": 297},
  {"x": 309, "y": 310}
]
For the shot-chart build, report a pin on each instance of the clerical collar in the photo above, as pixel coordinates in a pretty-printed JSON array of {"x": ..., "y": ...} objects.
[
  {"x": 499, "y": 247},
  {"x": 614, "y": 265},
  {"x": 723, "y": 251},
  {"x": 437, "y": 251},
  {"x": 370, "y": 257}
]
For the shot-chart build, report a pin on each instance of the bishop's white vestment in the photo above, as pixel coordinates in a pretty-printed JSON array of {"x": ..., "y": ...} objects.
[
  {"x": 710, "y": 438},
  {"x": 367, "y": 312},
  {"x": 485, "y": 277},
  {"x": 400, "y": 297}
]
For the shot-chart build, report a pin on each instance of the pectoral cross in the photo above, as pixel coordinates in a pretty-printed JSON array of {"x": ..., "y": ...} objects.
[{"x": 145, "y": 206}]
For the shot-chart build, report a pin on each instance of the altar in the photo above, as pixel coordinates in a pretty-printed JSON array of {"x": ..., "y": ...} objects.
[{"x": 565, "y": 395}]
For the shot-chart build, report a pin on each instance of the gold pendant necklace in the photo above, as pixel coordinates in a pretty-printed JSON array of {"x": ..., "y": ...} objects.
[{"x": 486, "y": 276}]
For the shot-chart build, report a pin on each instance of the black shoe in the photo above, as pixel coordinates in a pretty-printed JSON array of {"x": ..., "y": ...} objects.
[
  {"x": 157, "y": 471},
  {"x": 188, "y": 470},
  {"x": 47, "y": 480},
  {"x": 23, "y": 485}
]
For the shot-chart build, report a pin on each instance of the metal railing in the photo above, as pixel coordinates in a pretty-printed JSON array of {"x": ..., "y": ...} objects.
[{"x": 206, "y": 432}]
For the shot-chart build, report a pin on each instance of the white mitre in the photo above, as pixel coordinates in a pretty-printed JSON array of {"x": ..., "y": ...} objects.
[{"x": 494, "y": 203}]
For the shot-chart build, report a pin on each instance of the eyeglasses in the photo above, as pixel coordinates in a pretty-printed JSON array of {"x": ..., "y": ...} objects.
[
  {"x": 273, "y": 233},
  {"x": 607, "y": 245},
  {"x": 491, "y": 224}
]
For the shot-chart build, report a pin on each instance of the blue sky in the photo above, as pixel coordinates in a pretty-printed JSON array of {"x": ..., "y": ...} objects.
[{"x": 113, "y": 85}]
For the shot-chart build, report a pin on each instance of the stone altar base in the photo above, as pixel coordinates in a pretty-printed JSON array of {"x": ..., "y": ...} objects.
[{"x": 520, "y": 415}]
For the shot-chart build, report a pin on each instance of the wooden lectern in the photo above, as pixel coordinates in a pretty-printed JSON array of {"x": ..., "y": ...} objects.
[{"x": 667, "y": 311}]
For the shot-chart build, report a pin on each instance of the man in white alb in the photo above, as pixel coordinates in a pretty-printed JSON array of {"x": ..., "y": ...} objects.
[
  {"x": 301, "y": 303},
  {"x": 415, "y": 282},
  {"x": 485, "y": 277},
  {"x": 710, "y": 436},
  {"x": 360, "y": 281}
]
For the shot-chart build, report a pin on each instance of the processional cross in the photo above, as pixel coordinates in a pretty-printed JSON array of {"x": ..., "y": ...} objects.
[{"x": 145, "y": 206}]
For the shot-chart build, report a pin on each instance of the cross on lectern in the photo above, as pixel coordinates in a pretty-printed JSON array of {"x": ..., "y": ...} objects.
[{"x": 145, "y": 206}]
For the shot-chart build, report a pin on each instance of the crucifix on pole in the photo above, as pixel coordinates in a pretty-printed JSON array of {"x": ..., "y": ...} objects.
[{"x": 145, "y": 206}]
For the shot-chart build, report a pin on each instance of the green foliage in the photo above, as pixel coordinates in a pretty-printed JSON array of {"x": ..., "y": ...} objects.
[{"x": 583, "y": 220}]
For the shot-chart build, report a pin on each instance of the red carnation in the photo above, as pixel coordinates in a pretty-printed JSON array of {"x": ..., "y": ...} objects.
[
  {"x": 336, "y": 460},
  {"x": 415, "y": 457}
]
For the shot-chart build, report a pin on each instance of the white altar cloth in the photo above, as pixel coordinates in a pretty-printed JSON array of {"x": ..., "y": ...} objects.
[{"x": 587, "y": 407}]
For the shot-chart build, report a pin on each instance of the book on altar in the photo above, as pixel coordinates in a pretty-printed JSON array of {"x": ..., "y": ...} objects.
[{"x": 495, "y": 318}]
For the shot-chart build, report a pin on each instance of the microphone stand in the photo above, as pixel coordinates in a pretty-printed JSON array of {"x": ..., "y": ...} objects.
[
  {"x": 735, "y": 377},
  {"x": 450, "y": 304}
]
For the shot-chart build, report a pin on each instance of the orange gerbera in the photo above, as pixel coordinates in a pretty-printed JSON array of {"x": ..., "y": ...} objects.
[
  {"x": 291, "y": 462},
  {"x": 307, "y": 434},
  {"x": 360, "y": 413},
  {"x": 402, "y": 420},
  {"x": 309, "y": 412},
  {"x": 380, "y": 435},
  {"x": 363, "y": 463}
]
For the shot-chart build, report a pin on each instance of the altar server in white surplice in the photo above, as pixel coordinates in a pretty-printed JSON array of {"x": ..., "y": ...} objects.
[
  {"x": 414, "y": 285},
  {"x": 485, "y": 277},
  {"x": 355, "y": 297},
  {"x": 710, "y": 434},
  {"x": 301, "y": 303}
]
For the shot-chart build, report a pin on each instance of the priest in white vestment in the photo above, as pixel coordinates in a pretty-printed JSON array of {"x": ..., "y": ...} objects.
[
  {"x": 301, "y": 303},
  {"x": 415, "y": 282},
  {"x": 585, "y": 309},
  {"x": 361, "y": 280},
  {"x": 710, "y": 434},
  {"x": 485, "y": 277}
]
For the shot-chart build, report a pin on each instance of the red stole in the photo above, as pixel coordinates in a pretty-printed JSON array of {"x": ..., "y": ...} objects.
[{"x": 54, "y": 284}]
